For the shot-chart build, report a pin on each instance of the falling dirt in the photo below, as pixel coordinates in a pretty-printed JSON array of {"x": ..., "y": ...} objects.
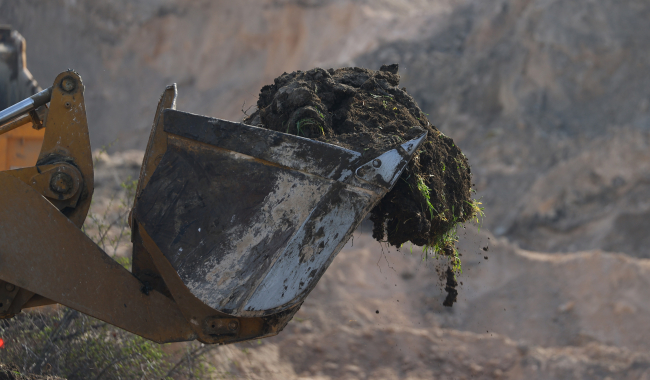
[
  {"x": 450, "y": 288},
  {"x": 364, "y": 110}
]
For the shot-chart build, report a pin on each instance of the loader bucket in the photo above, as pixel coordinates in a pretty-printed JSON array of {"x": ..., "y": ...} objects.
[{"x": 250, "y": 218}]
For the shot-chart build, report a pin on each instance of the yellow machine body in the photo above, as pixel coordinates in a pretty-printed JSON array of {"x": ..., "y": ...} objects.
[{"x": 20, "y": 147}]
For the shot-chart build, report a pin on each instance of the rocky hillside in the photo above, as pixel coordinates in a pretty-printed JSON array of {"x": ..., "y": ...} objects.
[
  {"x": 550, "y": 101},
  {"x": 219, "y": 52}
]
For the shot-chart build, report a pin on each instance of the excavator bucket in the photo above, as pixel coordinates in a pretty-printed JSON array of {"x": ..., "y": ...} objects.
[
  {"x": 250, "y": 218},
  {"x": 232, "y": 225},
  {"x": 245, "y": 219}
]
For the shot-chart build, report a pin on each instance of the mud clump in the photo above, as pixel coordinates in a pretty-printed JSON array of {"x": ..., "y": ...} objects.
[
  {"x": 450, "y": 288},
  {"x": 365, "y": 111}
]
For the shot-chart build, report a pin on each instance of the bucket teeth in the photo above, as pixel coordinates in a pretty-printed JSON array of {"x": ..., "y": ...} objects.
[{"x": 384, "y": 170}]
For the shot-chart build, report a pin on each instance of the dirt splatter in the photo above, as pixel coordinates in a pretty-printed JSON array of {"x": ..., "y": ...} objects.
[{"x": 365, "y": 110}]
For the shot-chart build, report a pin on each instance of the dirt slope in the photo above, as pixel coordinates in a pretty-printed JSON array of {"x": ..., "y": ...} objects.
[
  {"x": 375, "y": 353},
  {"x": 561, "y": 325}
]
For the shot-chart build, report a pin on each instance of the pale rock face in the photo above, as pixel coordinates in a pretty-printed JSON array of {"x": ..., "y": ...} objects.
[{"x": 219, "y": 52}]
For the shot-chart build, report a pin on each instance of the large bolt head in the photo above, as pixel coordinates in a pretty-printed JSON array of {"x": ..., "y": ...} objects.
[
  {"x": 68, "y": 84},
  {"x": 61, "y": 183}
]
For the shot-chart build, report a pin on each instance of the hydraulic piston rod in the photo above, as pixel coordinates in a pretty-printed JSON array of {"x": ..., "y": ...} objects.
[{"x": 26, "y": 105}]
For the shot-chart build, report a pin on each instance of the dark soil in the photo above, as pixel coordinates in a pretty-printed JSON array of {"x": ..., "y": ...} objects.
[{"x": 364, "y": 110}]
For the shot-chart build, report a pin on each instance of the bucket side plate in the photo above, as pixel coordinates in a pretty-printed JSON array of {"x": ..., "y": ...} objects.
[
  {"x": 311, "y": 251},
  {"x": 222, "y": 218}
]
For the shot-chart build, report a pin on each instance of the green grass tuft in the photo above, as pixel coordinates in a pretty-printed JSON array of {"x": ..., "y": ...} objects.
[
  {"x": 426, "y": 193},
  {"x": 476, "y": 212},
  {"x": 302, "y": 123}
]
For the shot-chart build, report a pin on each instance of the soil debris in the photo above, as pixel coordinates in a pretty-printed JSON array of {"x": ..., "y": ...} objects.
[
  {"x": 365, "y": 110},
  {"x": 452, "y": 293}
]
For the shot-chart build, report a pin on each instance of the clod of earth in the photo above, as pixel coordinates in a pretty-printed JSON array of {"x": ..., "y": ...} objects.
[
  {"x": 365, "y": 110},
  {"x": 450, "y": 288}
]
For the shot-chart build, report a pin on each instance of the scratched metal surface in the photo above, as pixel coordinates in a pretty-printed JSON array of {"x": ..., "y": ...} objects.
[
  {"x": 315, "y": 157},
  {"x": 311, "y": 250},
  {"x": 250, "y": 218}
]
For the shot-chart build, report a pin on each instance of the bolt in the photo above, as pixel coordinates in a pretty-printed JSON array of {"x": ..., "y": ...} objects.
[
  {"x": 61, "y": 183},
  {"x": 376, "y": 163},
  {"x": 68, "y": 84},
  {"x": 10, "y": 287},
  {"x": 232, "y": 325},
  {"x": 67, "y": 105}
]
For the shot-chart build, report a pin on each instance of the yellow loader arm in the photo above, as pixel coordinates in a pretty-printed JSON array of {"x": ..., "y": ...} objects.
[{"x": 232, "y": 225}]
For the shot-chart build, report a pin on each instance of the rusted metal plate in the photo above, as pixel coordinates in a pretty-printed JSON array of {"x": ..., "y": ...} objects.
[{"x": 249, "y": 218}]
